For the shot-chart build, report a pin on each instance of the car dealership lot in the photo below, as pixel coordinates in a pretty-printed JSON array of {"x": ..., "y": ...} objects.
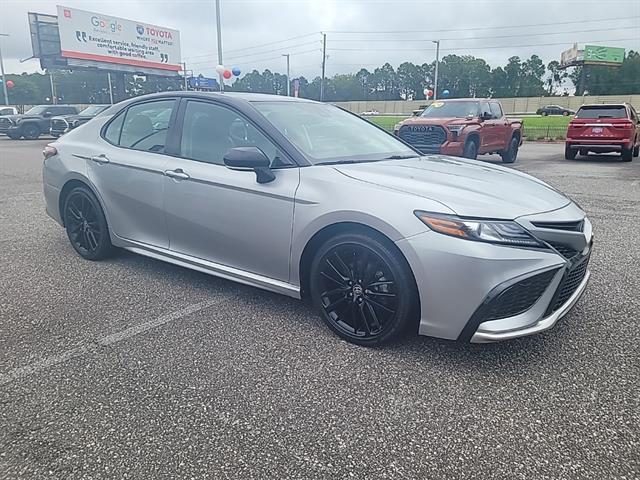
[{"x": 132, "y": 368}]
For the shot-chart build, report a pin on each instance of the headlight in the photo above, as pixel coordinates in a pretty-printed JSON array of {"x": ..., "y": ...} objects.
[
  {"x": 74, "y": 123},
  {"x": 455, "y": 128},
  {"x": 396, "y": 127},
  {"x": 489, "y": 231}
]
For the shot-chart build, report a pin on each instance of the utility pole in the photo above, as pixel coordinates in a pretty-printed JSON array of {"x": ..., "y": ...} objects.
[
  {"x": 219, "y": 32},
  {"x": 324, "y": 63},
  {"x": 4, "y": 80},
  {"x": 110, "y": 88},
  {"x": 184, "y": 70},
  {"x": 288, "y": 77},
  {"x": 54, "y": 95},
  {"x": 435, "y": 87}
]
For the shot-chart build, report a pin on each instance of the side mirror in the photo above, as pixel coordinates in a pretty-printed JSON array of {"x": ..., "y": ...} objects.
[{"x": 250, "y": 158}]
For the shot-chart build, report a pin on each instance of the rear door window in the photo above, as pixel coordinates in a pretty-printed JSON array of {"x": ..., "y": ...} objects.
[
  {"x": 597, "y": 111},
  {"x": 496, "y": 111}
]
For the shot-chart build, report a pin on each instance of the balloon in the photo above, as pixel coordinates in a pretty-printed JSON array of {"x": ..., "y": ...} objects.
[
  {"x": 235, "y": 71},
  {"x": 220, "y": 68},
  {"x": 429, "y": 93},
  {"x": 10, "y": 84},
  {"x": 227, "y": 74},
  {"x": 445, "y": 93}
]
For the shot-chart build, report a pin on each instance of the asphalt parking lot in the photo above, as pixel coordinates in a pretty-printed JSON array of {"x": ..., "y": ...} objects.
[{"x": 132, "y": 368}]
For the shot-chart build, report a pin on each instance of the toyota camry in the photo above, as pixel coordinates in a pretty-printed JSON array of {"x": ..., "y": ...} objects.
[{"x": 307, "y": 200}]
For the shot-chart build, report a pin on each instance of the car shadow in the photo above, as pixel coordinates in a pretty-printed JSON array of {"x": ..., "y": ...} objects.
[{"x": 599, "y": 158}]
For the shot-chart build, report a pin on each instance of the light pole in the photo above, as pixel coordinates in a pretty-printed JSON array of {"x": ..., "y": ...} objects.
[
  {"x": 435, "y": 87},
  {"x": 4, "y": 80},
  {"x": 219, "y": 32},
  {"x": 288, "y": 79}
]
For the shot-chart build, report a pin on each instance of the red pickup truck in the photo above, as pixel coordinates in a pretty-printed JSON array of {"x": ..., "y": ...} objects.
[
  {"x": 463, "y": 128},
  {"x": 602, "y": 129}
]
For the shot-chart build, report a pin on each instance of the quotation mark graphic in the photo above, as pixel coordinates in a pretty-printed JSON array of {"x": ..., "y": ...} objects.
[
  {"x": 164, "y": 58},
  {"x": 81, "y": 36}
]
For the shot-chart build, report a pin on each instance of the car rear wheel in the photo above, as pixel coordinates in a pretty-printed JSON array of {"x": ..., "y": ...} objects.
[
  {"x": 636, "y": 151},
  {"x": 627, "y": 154},
  {"x": 470, "y": 149},
  {"x": 565, "y": 114},
  {"x": 86, "y": 225},
  {"x": 363, "y": 288},
  {"x": 31, "y": 132},
  {"x": 570, "y": 153},
  {"x": 511, "y": 153},
  {"x": 544, "y": 113}
]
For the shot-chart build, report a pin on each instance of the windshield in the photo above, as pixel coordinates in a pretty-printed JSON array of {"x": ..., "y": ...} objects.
[
  {"x": 37, "y": 110},
  {"x": 327, "y": 134},
  {"x": 92, "y": 111},
  {"x": 452, "y": 110},
  {"x": 602, "y": 112}
]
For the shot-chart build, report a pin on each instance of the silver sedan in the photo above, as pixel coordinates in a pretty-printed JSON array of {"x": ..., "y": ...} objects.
[{"x": 307, "y": 200}]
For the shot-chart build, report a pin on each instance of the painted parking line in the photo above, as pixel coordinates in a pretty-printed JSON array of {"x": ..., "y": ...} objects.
[{"x": 35, "y": 367}]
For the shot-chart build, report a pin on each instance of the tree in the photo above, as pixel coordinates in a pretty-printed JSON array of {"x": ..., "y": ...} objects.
[
  {"x": 530, "y": 83},
  {"x": 555, "y": 77}
]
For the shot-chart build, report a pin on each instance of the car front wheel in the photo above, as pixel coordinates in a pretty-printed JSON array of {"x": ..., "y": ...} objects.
[
  {"x": 470, "y": 150},
  {"x": 31, "y": 132},
  {"x": 86, "y": 224},
  {"x": 14, "y": 136},
  {"x": 363, "y": 288}
]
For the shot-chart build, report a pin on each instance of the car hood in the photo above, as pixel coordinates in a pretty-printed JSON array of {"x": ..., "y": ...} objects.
[
  {"x": 21, "y": 116},
  {"x": 469, "y": 188}
]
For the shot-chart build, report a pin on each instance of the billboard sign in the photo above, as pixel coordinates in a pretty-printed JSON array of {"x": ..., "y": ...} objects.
[
  {"x": 204, "y": 83},
  {"x": 571, "y": 57},
  {"x": 101, "y": 38},
  {"x": 598, "y": 54}
]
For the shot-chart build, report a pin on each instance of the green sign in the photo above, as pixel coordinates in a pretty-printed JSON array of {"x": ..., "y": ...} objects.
[{"x": 596, "y": 53}]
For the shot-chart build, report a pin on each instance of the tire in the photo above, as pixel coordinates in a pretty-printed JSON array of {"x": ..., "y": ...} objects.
[
  {"x": 636, "y": 151},
  {"x": 363, "y": 288},
  {"x": 86, "y": 225},
  {"x": 470, "y": 149},
  {"x": 14, "y": 136},
  {"x": 570, "y": 153},
  {"x": 627, "y": 154},
  {"x": 511, "y": 153},
  {"x": 565, "y": 114},
  {"x": 31, "y": 131},
  {"x": 544, "y": 113},
  {"x": 584, "y": 152}
]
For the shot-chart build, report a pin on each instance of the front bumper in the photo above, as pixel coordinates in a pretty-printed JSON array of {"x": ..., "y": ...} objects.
[
  {"x": 460, "y": 281},
  {"x": 10, "y": 129}
]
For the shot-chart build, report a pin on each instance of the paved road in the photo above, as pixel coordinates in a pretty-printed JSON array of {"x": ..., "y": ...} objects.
[{"x": 133, "y": 368}]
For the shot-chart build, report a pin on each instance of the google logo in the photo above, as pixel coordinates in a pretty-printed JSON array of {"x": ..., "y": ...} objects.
[{"x": 106, "y": 23}]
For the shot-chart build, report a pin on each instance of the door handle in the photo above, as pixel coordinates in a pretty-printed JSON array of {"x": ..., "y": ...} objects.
[
  {"x": 177, "y": 174},
  {"x": 101, "y": 159}
]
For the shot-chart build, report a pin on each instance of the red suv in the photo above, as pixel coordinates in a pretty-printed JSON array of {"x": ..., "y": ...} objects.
[{"x": 602, "y": 129}]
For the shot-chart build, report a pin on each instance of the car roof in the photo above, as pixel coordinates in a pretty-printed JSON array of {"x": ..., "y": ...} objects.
[
  {"x": 234, "y": 96},
  {"x": 605, "y": 105},
  {"x": 465, "y": 100}
]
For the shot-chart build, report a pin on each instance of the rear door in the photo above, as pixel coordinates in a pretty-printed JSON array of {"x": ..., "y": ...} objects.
[
  {"x": 503, "y": 128},
  {"x": 128, "y": 166},
  {"x": 488, "y": 133},
  {"x": 600, "y": 122}
]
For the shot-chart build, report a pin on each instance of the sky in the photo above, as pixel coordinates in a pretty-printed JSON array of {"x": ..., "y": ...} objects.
[{"x": 360, "y": 33}]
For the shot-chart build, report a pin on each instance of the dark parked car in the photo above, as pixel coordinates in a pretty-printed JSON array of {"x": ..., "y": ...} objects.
[
  {"x": 554, "y": 110},
  {"x": 63, "y": 123},
  {"x": 35, "y": 122}
]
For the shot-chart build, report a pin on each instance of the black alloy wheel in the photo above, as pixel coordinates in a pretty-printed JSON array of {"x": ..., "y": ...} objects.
[
  {"x": 86, "y": 225},
  {"x": 363, "y": 289},
  {"x": 31, "y": 131},
  {"x": 470, "y": 149},
  {"x": 510, "y": 155}
]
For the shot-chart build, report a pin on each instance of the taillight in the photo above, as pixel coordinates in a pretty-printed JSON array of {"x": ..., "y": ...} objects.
[
  {"x": 625, "y": 125},
  {"x": 49, "y": 151}
]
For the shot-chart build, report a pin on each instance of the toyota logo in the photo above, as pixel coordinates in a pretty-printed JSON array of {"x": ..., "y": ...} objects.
[{"x": 421, "y": 128}]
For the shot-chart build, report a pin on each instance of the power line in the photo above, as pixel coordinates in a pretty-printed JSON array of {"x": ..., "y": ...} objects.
[
  {"x": 635, "y": 27},
  {"x": 262, "y": 52},
  {"x": 472, "y": 48},
  {"x": 256, "y": 46},
  {"x": 483, "y": 28},
  {"x": 254, "y": 61}
]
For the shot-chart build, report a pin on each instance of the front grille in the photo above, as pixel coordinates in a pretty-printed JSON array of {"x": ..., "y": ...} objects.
[
  {"x": 519, "y": 297},
  {"x": 576, "y": 226},
  {"x": 565, "y": 250},
  {"x": 571, "y": 281},
  {"x": 426, "y": 138},
  {"x": 58, "y": 125}
]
